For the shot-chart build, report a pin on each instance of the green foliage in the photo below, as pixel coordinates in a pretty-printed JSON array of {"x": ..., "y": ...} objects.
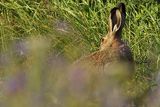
[{"x": 75, "y": 28}]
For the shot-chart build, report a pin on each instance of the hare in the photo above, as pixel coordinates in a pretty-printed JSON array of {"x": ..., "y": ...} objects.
[{"x": 112, "y": 48}]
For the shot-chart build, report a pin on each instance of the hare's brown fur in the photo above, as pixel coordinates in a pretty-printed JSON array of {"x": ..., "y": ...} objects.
[{"x": 112, "y": 48}]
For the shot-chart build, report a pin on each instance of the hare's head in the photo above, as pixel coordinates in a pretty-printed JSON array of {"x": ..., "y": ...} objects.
[{"x": 116, "y": 23}]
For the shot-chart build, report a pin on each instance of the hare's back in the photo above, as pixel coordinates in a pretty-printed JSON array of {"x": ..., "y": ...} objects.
[{"x": 125, "y": 53}]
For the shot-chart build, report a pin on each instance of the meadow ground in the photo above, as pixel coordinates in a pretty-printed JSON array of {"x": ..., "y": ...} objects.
[{"x": 33, "y": 34}]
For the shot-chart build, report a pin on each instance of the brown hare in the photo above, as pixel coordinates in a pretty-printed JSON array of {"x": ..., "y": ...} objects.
[{"x": 112, "y": 48}]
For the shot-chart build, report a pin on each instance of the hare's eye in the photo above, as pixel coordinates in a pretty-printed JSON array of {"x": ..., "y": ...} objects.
[{"x": 102, "y": 39}]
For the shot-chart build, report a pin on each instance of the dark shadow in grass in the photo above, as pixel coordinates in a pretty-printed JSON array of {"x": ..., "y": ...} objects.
[{"x": 158, "y": 1}]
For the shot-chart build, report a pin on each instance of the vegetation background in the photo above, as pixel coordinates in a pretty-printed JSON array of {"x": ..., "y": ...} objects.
[{"x": 42, "y": 29}]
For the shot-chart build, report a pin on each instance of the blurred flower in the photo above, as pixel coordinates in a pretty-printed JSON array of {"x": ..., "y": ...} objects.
[
  {"x": 20, "y": 47},
  {"x": 153, "y": 97},
  {"x": 15, "y": 84},
  {"x": 61, "y": 26},
  {"x": 3, "y": 59},
  {"x": 77, "y": 79}
]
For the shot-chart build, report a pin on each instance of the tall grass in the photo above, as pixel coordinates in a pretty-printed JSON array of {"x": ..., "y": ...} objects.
[{"x": 74, "y": 29}]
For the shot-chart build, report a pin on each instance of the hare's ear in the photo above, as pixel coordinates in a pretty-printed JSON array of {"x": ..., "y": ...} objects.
[
  {"x": 114, "y": 20},
  {"x": 122, "y": 9}
]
